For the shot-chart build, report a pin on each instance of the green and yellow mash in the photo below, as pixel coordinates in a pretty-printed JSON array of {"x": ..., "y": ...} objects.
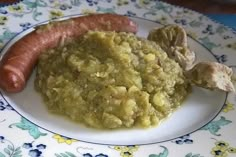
[{"x": 111, "y": 80}]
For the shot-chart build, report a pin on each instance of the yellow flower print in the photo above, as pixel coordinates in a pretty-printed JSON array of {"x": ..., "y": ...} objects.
[
  {"x": 88, "y": 11},
  {"x": 1, "y": 45},
  {"x": 222, "y": 145},
  {"x": 228, "y": 107},
  {"x": 126, "y": 151},
  {"x": 218, "y": 153},
  {"x": 126, "y": 154},
  {"x": 122, "y": 2},
  {"x": 55, "y": 14},
  {"x": 3, "y": 20},
  {"x": 162, "y": 20},
  {"x": 145, "y": 2},
  {"x": 222, "y": 149},
  {"x": 118, "y": 148},
  {"x": 231, "y": 150},
  {"x": 16, "y": 8},
  {"x": 131, "y": 148},
  {"x": 55, "y": 4},
  {"x": 62, "y": 139},
  {"x": 192, "y": 34},
  {"x": 232, "y": 46}
]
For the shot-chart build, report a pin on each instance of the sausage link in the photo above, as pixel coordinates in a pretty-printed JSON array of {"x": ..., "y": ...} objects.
[{"x": 17, "y": 64}]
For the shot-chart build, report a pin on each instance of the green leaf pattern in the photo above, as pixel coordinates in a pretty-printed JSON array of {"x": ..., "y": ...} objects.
[
  {"x": 214, "y": 126},
  {"x": 35, "y": 8},
  {"x": 66, "y": 154},
  {"x": 195, "y": 23},
  {"x": 106, "y": 10},
  {"x": 2, "y": 155},
  {"x": 9, "y": 149},
  {"x": 207, "y": 43},
  {"x": 6, "y": 36},
  {"x": 193, "y": 155},
  {"x": 32, "y": 128},
  {"x": 164, "y": 153}
]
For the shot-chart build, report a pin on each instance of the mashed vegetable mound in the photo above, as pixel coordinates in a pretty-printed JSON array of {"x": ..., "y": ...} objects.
[{"x": 111, "y": 80}]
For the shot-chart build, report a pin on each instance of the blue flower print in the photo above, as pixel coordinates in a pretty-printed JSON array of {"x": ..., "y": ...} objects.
[
  {"x": 27, "y": 145},
  {"x": 34, "y": 150},
  {"x": 35, "y": 153},
  {"x": 92, "y": 2},
  {"x": 221, "y": 58},
  {"x": 87, "y": 155},
  {"x": 101, "y": 155},
  {"x": 65, "y": 7},
  {"x": 181, "y": 21},
  {"x": 130, "y": 13},
  {"x": 41, "y": 146},
  {"x": 208, "y": 30},
  {"x": 3, "y": 11},
  {"x": 98, "y": 155},
  {"x": 25, "y": 25},
  {"x": 3, "y": 106},
  {"x": 184, "y": 139},
  {"x": 1, "y": 138}
]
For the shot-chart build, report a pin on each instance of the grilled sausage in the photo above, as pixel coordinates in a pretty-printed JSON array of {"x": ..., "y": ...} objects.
[{"x": 18, "y": 63}]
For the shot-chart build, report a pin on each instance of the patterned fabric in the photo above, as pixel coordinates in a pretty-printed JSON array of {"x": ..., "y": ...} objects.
[{"x": 20, "y": 137}]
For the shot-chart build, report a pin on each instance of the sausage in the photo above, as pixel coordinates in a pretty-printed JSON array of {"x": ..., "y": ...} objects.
[{"x": 17, "y": 64}]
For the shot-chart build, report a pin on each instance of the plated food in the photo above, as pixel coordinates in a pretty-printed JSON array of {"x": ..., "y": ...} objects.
[
  {"x": 122, "y": 80},
  {"x": 111, "y": 80},
  {"x": 173, "y": 40},
  {"x": 18, "y": 63},
  {"x": 211, "y": 75}
]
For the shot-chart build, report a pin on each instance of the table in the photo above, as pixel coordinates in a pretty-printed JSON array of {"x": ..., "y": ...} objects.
[
  {"x": 222, "y": 12},
  {"x": 206, "y": 6}
]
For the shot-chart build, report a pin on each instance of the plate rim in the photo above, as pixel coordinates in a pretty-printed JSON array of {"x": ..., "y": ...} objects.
[{"x": 32, "y": 28}]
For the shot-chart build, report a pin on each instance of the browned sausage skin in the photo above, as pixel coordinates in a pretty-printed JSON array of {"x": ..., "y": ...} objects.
[{"x": 18, "y": 63}]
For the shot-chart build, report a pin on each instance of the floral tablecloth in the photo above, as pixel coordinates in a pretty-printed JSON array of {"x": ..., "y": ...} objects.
[{"x": 20, "y": 137}]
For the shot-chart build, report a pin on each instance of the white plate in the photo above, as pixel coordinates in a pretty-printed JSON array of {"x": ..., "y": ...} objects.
[{"x": 52, "y": 135}]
